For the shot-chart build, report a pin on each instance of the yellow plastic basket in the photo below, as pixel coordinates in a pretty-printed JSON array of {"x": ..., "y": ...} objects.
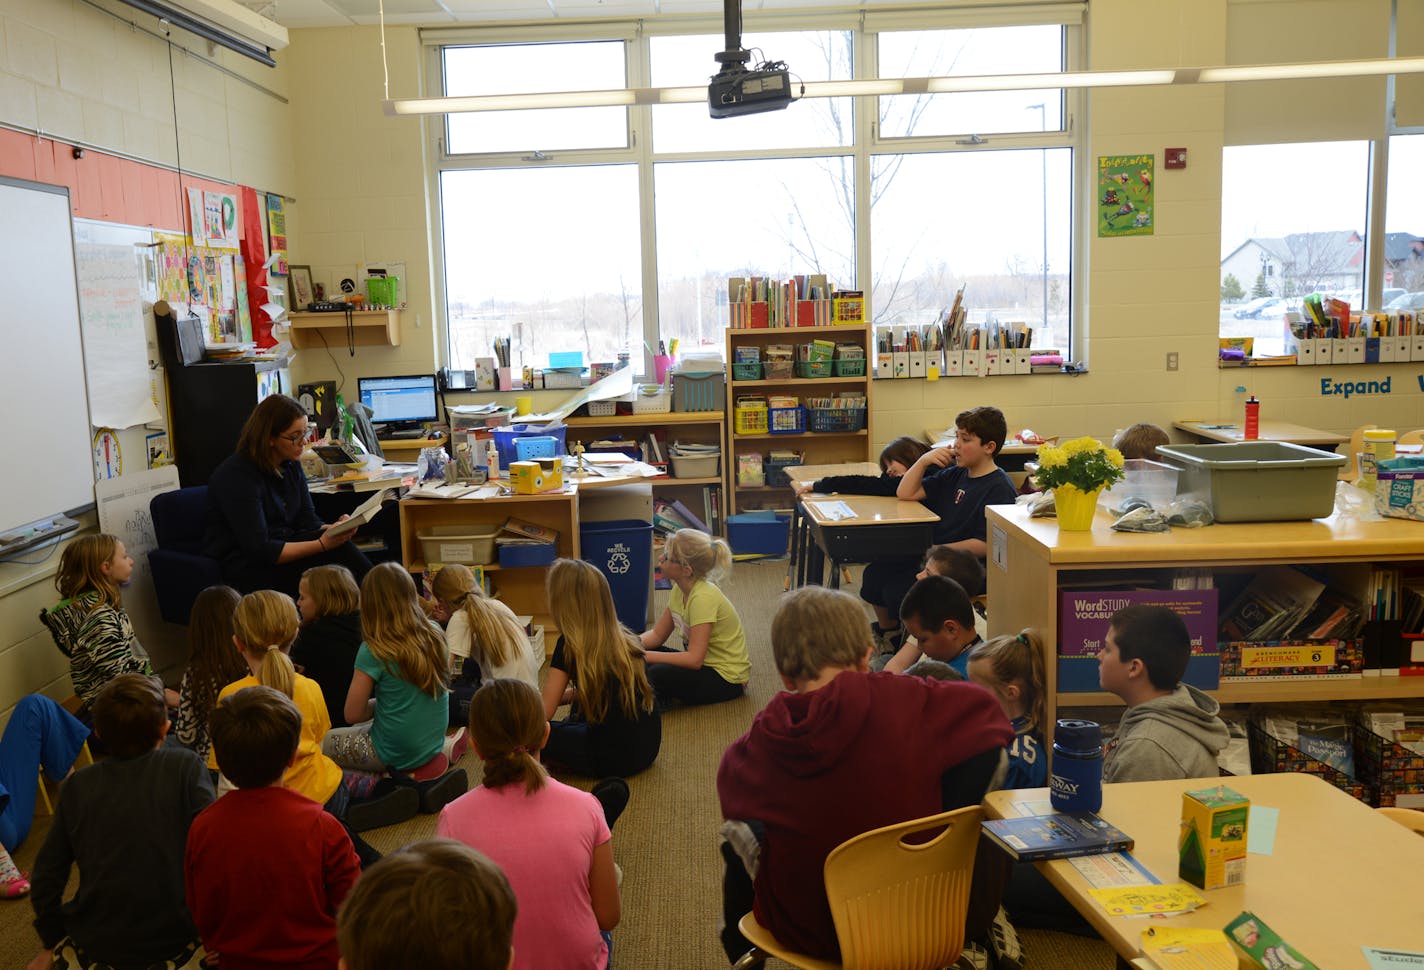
[{"x": 750, "y": 420}]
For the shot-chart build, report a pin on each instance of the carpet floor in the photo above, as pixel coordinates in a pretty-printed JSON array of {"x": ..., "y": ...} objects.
[{"x": 666, "y": 841}]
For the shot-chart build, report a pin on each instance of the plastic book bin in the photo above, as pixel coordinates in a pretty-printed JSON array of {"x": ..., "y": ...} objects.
[
  {"x": 505, "y": 438},
  {"x": 1258, "y": 481},
  {"x": 762, "y": 533},
  {"x": 622, "y": 549},
  {"x": 1151, "y": 481},
  {"x": 472, "y": 545}
]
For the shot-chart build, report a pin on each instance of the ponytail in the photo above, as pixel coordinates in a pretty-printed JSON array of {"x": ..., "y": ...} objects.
[
  {"x": 508, "y": 727},
  {"x": 277, "y": 670}
]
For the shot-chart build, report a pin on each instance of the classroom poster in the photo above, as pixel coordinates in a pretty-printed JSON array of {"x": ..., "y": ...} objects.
[
  {"x": 276, "y": 235},
  {"x": 172, "y": 280},
  {"x": 1125, "y": 200},
  {"x": 112, "y": 330}
]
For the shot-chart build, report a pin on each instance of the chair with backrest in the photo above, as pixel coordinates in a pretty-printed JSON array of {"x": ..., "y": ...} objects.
[
  {"x": 1351, "y": 469},
  {"x": 895, "y": 902},
  {"x": 1408, "y": 817},
  {"x": 180, "y": 569}
]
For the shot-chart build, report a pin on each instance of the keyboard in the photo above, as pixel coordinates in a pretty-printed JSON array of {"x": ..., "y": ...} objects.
[{"x": 402, "y": 434}]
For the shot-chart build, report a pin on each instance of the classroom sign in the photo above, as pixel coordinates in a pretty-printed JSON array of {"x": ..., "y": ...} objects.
[{"x": 1125, "y": 195}]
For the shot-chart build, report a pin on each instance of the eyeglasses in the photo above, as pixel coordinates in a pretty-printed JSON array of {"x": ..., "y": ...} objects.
[
  {"x": 296, "y": 437},
  {"x": 666, "y": 558}
]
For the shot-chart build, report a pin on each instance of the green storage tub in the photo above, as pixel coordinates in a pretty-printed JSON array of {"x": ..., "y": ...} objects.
[{"x": 1258, "y": 481}]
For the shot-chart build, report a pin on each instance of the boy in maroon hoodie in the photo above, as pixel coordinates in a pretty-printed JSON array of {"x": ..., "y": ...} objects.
[{"x": 841, "y": 752}]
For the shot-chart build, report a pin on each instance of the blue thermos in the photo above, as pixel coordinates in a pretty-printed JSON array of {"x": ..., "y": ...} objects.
[{"x": 1077, "y": 781}]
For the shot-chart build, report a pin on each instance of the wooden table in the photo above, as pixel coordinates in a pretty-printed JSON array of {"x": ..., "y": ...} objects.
[
  {"x": 881, "y": 527},
  {"x": 1284, "y": 431},
  {"x": 1341, "y": 875}
]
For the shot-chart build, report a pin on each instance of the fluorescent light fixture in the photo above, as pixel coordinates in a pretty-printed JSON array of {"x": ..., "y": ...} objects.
[
  {"x": 915, "y": 85},
  {"x": 224, "y": 22}
]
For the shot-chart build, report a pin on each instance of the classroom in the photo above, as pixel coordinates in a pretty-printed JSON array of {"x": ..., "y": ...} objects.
[{"x": 609, "y": 235}]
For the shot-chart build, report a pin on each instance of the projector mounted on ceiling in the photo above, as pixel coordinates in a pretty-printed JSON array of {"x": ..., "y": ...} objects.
[
  {"x": 735, "y": 90},
  {"x": 224, "y": 22}
]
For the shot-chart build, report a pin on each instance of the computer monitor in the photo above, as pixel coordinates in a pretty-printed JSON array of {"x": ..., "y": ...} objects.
[{"x": 399, "y": 401}]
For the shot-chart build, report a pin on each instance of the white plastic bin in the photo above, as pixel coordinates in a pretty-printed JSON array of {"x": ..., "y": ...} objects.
[{"x": 472, "y": 545}]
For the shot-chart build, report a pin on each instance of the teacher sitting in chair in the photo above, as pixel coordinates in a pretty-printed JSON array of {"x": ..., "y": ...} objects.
[{"x": 262, "y": 527}]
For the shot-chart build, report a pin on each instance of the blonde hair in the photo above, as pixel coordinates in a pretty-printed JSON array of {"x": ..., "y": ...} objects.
[
  {"x": 333, "y": 589},
  {"x": 265, "y": 623},
  {"x": 397, "y": 632},
  {"x": 507, "y": 724},
  {"x": 708, "y": 558},
  {"x": 81, "y": 568},
  {"x": 1016, "y": 659},
  {"x": 605, "y": 653},
  {"x": 496, "y": 637},
  {"x": 815, "y": 628}
]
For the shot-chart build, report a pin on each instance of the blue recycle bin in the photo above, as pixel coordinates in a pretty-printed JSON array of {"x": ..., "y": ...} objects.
[{"x": 622, "y": 549}]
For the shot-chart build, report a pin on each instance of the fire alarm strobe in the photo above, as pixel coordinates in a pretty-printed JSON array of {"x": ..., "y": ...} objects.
[{"x": 1174, "y": 158}]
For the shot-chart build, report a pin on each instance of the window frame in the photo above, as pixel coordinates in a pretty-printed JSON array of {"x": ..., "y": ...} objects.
[{"x": 866, "y": 139}]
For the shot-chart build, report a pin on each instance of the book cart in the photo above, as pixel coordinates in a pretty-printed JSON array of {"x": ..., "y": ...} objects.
[
  {"x": 1030, "y": 564},
  {"x": 818, "y": 436}
]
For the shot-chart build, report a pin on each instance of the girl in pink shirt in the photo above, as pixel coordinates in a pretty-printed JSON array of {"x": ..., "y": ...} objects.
[{"x": 551, "y": 840}]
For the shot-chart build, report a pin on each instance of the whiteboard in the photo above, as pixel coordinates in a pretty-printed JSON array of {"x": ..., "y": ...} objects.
[{"x": 44, "y": 404}]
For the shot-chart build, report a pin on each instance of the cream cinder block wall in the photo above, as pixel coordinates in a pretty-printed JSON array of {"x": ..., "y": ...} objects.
[
  {"x": 78, "y": 74},
  {"x": 361, "y": 187}
]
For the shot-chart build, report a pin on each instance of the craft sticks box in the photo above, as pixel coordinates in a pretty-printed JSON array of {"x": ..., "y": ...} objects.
[{"x": 1211, "y": 850}]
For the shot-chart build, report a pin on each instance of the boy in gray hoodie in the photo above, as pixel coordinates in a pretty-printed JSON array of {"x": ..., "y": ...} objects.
[{"x": 1171, "y": 729}]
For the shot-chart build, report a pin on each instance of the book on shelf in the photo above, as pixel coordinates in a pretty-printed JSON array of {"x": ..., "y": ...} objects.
[
  {"x": 1038, "y": 838},
  {"x": 1291, "y": 660},
  {"x": 362, "y": 514},
  {"x": 518, "y": 529},
  {"x": 1273, "y": 604}
]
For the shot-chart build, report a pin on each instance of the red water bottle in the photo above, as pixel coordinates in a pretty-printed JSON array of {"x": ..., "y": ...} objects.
[{"x": 1253, "y": 419}]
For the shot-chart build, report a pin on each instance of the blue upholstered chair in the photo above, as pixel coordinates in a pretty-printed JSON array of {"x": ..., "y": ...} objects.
[{"x": 180, "y": 570}]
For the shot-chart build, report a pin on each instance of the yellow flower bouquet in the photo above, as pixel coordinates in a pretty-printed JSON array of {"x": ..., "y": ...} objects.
[{"x": 1085, "y": 463}]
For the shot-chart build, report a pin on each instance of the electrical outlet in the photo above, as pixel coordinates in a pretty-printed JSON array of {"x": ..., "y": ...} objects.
[{"x": 1172, "y": 360}]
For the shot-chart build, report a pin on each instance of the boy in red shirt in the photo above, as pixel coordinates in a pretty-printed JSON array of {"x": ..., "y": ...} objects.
[{"x": 266, "y": 868}]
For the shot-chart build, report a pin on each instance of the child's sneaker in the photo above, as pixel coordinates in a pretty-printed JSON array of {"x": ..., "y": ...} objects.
[
  {"x": 1004, "y": 943},
  {"x": 14, "y": 887},
  {"x": 398, "y": 804},
  {"x": 435, "y": 795},
  {"x": 974, "y": 957},
  {"x": 455, "y": 745}
]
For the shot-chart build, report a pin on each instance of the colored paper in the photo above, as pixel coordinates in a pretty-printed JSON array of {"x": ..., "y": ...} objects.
[
  {"x": 1261, "y": 830},
  {"x": 1184, "y": 948},
  {"x": 1160, "y": 900}
]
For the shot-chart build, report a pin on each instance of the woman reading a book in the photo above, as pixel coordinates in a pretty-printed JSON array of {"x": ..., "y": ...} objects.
[{"x": 261, "y": 526}]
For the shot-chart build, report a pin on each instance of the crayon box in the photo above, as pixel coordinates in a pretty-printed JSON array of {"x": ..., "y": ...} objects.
[{"x": 1212, "y": 844}]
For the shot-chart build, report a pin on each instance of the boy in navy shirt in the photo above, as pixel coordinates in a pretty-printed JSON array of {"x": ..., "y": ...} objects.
[{"x": 956, "y": 482}]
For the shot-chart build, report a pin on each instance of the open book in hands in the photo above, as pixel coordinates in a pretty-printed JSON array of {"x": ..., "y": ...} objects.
[{"x": 364, "y": 513}]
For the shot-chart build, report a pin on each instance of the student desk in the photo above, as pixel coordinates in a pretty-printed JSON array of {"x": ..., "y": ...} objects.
[
  {"x": 1283, "y": 431},
  {"x": 1030, "y": 563},
  {"x": 1341, "y": 875},
  {"x": 882, "y": 527}
]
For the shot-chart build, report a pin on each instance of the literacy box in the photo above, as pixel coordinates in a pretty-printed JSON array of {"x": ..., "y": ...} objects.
[
  {"x": 1212, "y": 845},
  {"x": 1083, "y": 628}
]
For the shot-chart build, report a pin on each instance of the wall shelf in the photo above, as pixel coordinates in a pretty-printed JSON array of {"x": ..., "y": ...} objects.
[{"x": 369, "y": 328}]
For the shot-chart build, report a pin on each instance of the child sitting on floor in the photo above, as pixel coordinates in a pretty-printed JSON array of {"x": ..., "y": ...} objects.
[
  {"x": 484, "y": 634},
  {"x": 614, "y": 727},
  {"x": 123, "y": 822},
  {"x": 89, "y": 624},
  {"x": 266, "y": 868},
  {"x": 437, "y": 905},
  {"x": 552, "y": 841},
  {"x": 212, "y": 665},
  {"x": 397, "y": 702},
  {"x": 330, "y": 604},
  {"x": 715, "y": 665}
]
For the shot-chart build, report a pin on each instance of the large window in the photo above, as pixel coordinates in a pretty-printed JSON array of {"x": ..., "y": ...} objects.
[{"x": 608, "y": 230}]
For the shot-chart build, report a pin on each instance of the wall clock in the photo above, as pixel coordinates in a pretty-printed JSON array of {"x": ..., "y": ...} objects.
[{"x": 108, "y": 459}]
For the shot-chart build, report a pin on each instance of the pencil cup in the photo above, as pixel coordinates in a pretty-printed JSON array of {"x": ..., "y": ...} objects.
[
  {"x": 662, "y": 363},
  {"x": 523, "y": 405}
]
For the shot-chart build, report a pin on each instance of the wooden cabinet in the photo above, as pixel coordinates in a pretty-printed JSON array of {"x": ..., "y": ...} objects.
[
  {"x": 700, "y": 493},
  {"x": 367, "y": 328},
  {"x": 1030, "y": 561},
  {"x": 817, "y": 447},
  {"x": 521, "y": 588}
]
